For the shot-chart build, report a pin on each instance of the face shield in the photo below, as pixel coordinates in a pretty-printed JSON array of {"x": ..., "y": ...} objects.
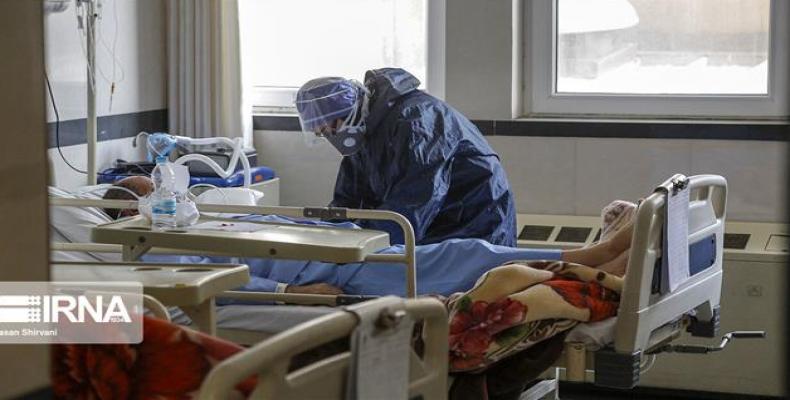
[{"x": 333, "y": 109}]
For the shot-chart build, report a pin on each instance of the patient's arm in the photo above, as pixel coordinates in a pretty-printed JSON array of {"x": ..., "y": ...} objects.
[{"x": 315, "y": 288}]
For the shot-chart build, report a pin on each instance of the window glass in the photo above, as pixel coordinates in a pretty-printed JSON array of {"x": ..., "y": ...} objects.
[
  {"x": 289, "y": 42},
  {"x": 691, "y": 47}
]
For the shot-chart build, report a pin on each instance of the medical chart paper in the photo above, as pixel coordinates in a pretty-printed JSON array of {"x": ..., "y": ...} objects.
[
  {"x": 229, "y": 226},
  {"x": 675, "y": 257},
  {"x": 380, "y": 361}
]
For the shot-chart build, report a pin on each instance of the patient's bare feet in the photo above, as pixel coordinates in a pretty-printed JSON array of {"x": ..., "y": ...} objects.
[
  {"x": 604, "y": 251},
  {"x": 621, "y": 240}
]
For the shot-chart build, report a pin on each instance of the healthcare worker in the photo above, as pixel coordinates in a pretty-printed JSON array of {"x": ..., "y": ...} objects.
[{"x": 409, "y": 152}]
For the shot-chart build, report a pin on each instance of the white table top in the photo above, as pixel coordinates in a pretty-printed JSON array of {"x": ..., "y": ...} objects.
[
  {"x": 268, "y": 240},
  {"x": 172, "y": 284}
]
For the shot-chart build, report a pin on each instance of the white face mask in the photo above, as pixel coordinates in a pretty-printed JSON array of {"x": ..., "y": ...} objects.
[{"x": 348, "y": 137}]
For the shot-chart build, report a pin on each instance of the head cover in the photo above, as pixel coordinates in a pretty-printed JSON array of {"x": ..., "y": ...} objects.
[{"x": 322, "y": 102}]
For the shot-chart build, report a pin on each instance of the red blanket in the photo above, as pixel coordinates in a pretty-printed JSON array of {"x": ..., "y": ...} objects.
[{"x": 170, "y": 363}]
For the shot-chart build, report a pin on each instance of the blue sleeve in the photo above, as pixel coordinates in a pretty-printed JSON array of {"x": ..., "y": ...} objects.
[
  {"x": 347, "y": 186},
  {"x": 258, "y": 284},
  {"x": 420, "y": 184}
]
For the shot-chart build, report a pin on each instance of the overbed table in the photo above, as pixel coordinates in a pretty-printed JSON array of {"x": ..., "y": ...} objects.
[
  {"x": 244, "y": 239},
  {"x": 191, "y": 287}
]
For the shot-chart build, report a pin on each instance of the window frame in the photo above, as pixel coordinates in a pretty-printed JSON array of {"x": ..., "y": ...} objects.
[
  {"x": 540, "y": 98},
  {"x": 280, "y": 99}
]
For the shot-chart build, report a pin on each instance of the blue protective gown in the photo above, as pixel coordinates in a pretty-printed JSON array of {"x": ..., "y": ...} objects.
[{"x": 423, "y": 159}]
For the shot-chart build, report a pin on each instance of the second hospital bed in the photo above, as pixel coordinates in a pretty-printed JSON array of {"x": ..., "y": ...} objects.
[{"x": 648, "y": 319}]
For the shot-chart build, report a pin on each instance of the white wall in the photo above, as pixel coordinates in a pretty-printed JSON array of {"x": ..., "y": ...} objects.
[
  {"x": 574, "y": 176},
  {"x": 307, "y": 173},
  {"x": 140, "y": 74}
]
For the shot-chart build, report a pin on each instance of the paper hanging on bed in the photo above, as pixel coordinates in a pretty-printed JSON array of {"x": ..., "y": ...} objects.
[
  {"x": 228, "y": 226},
  {"x": 379, "y": 367},
  {"x": 675, "y": 246}
]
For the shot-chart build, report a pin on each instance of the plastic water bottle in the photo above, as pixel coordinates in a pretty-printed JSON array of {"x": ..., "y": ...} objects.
[{"x": 163, "y": 199}]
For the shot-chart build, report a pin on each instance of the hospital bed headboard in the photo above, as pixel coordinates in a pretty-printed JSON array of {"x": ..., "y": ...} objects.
[
  {"x": 326, "y": 378},
  {"x": 647, "y": 317}
]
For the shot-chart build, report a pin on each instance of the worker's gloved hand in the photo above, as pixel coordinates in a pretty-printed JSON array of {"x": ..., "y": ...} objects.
[{"x": 316, "y": 288}]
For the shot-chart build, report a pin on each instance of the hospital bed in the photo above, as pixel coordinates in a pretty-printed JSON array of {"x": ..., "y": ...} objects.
[{"x": 648, "y": 319}]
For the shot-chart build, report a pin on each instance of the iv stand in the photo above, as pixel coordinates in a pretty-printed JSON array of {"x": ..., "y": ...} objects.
[{"x": 91, "y": 125}]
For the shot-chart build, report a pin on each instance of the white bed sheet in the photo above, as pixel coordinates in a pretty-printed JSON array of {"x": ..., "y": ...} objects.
[{"x": 73, "y": 225}]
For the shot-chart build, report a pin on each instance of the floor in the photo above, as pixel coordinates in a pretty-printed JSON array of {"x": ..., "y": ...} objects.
[{"x": 589, "y": 392}]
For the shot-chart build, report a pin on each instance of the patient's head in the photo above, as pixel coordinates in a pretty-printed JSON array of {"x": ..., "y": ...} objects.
[{"x": 141, "y": 185}]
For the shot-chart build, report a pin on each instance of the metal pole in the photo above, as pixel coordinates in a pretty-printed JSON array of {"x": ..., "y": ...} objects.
[{"x": 91, "y": 136}]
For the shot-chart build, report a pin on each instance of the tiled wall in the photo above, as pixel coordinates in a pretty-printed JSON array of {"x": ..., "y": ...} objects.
[{"x": 575, "y": 176}]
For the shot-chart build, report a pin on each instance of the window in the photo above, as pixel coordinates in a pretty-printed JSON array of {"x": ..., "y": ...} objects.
[
  {"x": 669, "y": 58},
  {"x": 288, "y": 42}
]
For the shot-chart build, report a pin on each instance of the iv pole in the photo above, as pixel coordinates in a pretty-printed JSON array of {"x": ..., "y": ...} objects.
[{"x": 91, "y": 125}]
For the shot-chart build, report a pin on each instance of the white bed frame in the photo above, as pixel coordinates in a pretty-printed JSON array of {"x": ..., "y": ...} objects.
[{"x": 647, "y": 319}]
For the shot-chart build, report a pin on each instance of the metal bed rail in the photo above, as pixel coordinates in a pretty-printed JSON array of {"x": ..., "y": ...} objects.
[{"x": 270, "y": 359}]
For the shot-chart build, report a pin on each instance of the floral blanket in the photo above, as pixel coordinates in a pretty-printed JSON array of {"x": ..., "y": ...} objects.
[
  {"x": 170, "y": 363},
  {"x": 517, "y": 305}
]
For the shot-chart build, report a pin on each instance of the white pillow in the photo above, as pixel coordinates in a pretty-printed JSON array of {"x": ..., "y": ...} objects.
[{"x": 73, "y": 225}]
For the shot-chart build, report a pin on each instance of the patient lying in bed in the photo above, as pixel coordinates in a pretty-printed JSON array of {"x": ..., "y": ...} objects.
[{"x": 443, "y": 268}]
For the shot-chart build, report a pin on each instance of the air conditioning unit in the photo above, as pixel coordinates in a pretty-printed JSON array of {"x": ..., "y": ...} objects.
[{"x": 753, "y": 298}]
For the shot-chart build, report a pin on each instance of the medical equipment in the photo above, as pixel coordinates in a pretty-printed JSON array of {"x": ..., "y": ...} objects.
[
  {"x": 162, "y": 144},
  {"x": 264, "y": 179},
  {"x": 329, "y": 376},
  {"x": 191, "y": 287},
  {"x": 218, "y": 154}
]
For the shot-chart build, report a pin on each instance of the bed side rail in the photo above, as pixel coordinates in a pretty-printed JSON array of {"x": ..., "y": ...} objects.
[
  {"x": 642, "y": 310},
  {"x": 270, "y": 359},
  {"x": 647, "y": 317}
]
